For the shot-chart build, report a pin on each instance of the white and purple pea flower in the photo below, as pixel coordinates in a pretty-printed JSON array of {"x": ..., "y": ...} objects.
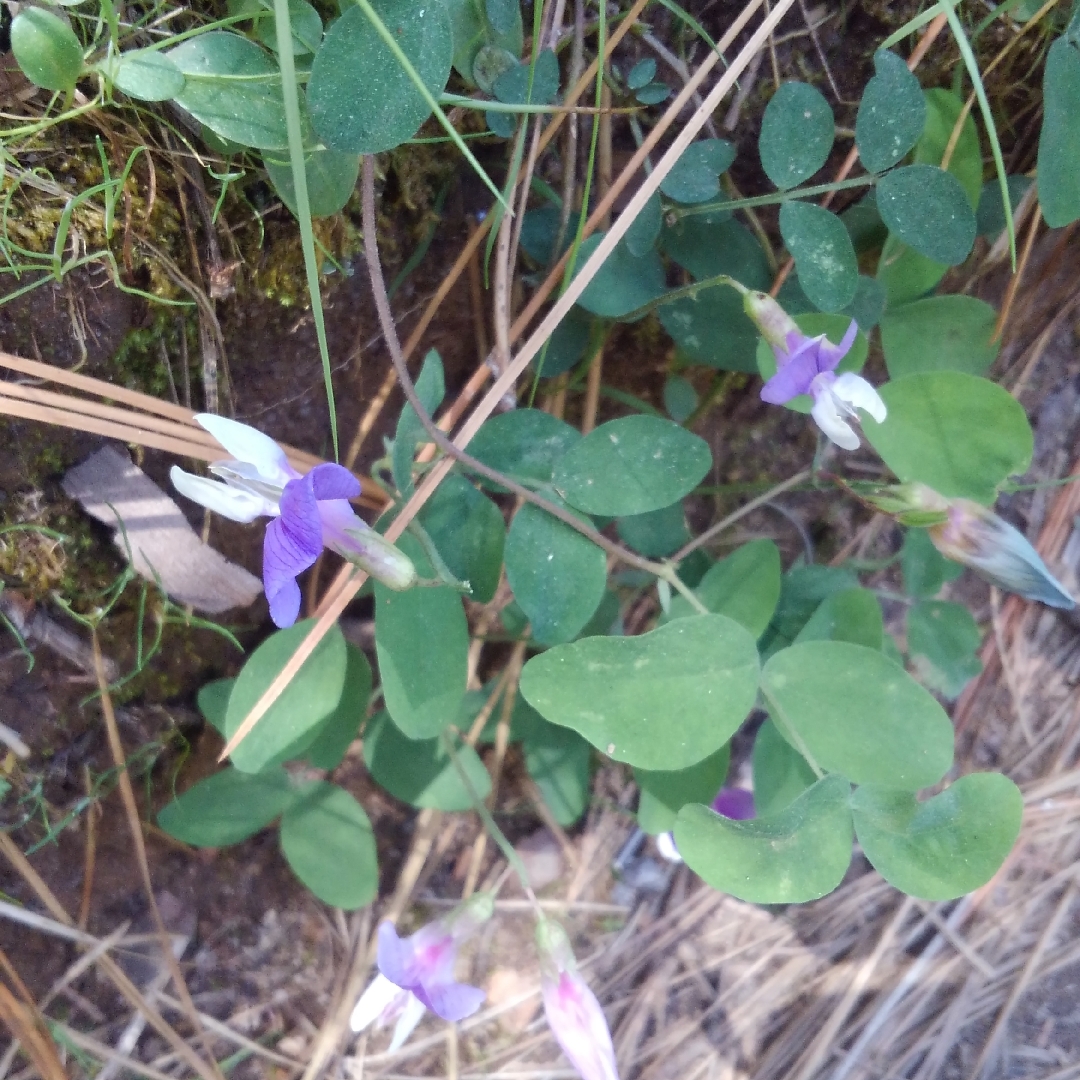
[
  {"x": 417, "y": 973},
  {"x": 309, "y": 513},
  {"x": 807, "y": 365}
]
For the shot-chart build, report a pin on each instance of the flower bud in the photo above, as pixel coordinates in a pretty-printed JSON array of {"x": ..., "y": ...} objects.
[
  {"x": 775, "y": 324},
  {"x": 977, "y": 537},
  {"x": 372, "y": 552},
  {"x": 911, "y": 504},
  {"x": 573, "y": 1013}
]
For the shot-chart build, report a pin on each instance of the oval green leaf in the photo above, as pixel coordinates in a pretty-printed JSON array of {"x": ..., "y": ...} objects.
[
  {"x": 797, "y": 854},
  {"x": 781, "y": 773},
  {"x": 1059, "y": 140},
  {"x": 744, "y": 586},
  {"x": 338, "y": 730},
  {"x": 891, "y": 115},
  {"x": 558, "y": 760},
  {"x": 331, "y": 179},
  {"x": 556, "y": 574},
  {"x": 695, "y": 176},
  {"x": 524, "y": 444},
  {"x": 940, "y": 333},
  {"x": 227, "y": 807},
  {"x": 623, "y": 283},
  {"x": 796, "y": 134},
  {"x": 928, "y": 209},
  {"x": 943, "y": 639},
  {"x": 664, "y": 700},
  {"x": 420, "y": 772},
  {"x": 292, "y": 722},
  {"x": 360, "y": 97},
  {"x": 327, "y": 840},
  {"x": 631, "y": 466},
  {"x": 148, "y": 75},
  {"x": 943, "y": 112},
  {"x": 944, "y": 847},
  {"x": 851, "y": 615},
  {"x": 46, "y": 48},
  {"x": 823, "y": 254},
  {"x": 957, "y": 433},
  {"x": 657, "y": 533},
  {"x": 664, "y": 794},
  {"x": 233, "y": 87},
  {"x": 306, "y": 25},
  {"x": 422, "y": 642},
  {"x": 905, "y": 274},
  {"x": 853, "y": 711}
]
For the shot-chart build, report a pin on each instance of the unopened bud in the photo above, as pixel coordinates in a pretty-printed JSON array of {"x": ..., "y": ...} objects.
[
  {"x": 374, "y": 553},
  {"x": 775, "y": 324}
]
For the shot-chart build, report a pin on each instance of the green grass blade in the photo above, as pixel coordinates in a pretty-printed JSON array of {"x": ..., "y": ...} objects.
[
  {"x": 972, "y": 66},
  {"x": 929, "y": 15},
  {"x": 291, "y": 97}
]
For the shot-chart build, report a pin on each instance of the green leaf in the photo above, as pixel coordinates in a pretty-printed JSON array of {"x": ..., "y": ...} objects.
[
  {"x": 227, "y": 807},
  {"x": 361, "y": 99},
  {"x": 338, "y": 730},
  {"x": 46, "y": 49},
  {"x": 422, "y": 643},
  {"x": 851, "y": 710},
  {"x": 957, "y": 433},
  {"x": 556, "y": 574},
  {"x": 812, "y": 324},
  {"x": 925, "y": 569},
  {"x": 851, "y": 615},
  {"x": 233, "y": 87},
  {"x": 631, "y": 466},
  {"x": 796, "y": 854},
  {"x": 148, "y": 75},
  {"x": 468, "y": 531},
  {"x": 292, "y": 722},
  {"x": 420, "y": 772},
  {"x": 654, "y": 93},
  {"x": 928, "y": 209},
  {"x": 943, "y": 109},
  {"x": 940, "y": 333},
  {"x": 745, "y": 586},
  {"x": 706, "y": 245},
  {"x": 430, "y": 389},
  {"x": 641, "y": 74},
  {"x": 868, "y": 306},
  {"x": 781, "y": 773},
  {"x": 680, "y": 398},
  {"x": 623, "y": 283},
  {"x": 990, "y": 215},
  {"x": 712, "y": 329},
  {"x": 664, "y": 794},
  {"x": 512, "y": 86},
  {"x": 944, "y": 641},
  {"x": 695, "y": 176},
  {"x": 213, "y": 702},
  {"x": 824, "y": 256},
  {"x": 802, "y": 589},
  {"x": 559, "y": 762},
  {"x": 331, "y": 179},
  {"x": 640, "y": 238},
  {"x": 306, "y": 26},
  {"x": 524, "y": 444},
  {"x": 905, "y": 274},
  {"x": 566, "y": 346},
  {"x": 946, "y": 846},
  {"x": 891, "y": 115},
  {"x": 327, "y": 840},
  {"x": 796, "y": 134},
  {"x": 663, "y": 700},
  {"x": 472, "y": 31},
  {"x": 659, "y": 532},
  {"x": 1059, "y": 140}
]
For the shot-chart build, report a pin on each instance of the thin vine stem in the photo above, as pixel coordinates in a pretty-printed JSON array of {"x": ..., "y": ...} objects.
[
  {"x": 680, "y": 212},
  {"x": 663, "y": 571}
]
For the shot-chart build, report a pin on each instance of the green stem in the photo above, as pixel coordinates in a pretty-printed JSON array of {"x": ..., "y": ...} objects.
[{"x": 677, "y": 213}]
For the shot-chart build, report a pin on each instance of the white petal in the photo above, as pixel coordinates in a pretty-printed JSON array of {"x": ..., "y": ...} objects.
[
  {"x": 374, "y": 1001},
  {"x": 857, "y": 391},
  {"x": 665, "y": 845},
  {"x": 247, "y": 444},
  {"x": 411, "y": 1016},
  {"x": 226, "y": 501},
  {"x": 827, "y": 416}
]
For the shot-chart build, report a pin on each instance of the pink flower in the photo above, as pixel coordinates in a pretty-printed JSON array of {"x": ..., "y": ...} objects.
[{"x": 572, "y": 1011}]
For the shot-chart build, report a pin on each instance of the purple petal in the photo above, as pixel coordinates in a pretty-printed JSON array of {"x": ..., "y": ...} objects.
[
  {"x": 291, "y": 544},
  {"x": 734, "y": 803},
  {"x": 451, "y": 1000},
  {"x": 830, "y": 355},
  {"x": 333, "y": 482},
  {"x": 395, "y": 956},
  {"x": 793, "y": 379}
]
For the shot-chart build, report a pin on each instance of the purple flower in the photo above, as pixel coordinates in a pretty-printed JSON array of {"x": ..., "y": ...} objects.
[
  {"x": 573, "y": 1013},
  {"x": 310, "y": 513},
  {"x": 735, "y": 803},
  {"x": 807, "y": 365}
]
